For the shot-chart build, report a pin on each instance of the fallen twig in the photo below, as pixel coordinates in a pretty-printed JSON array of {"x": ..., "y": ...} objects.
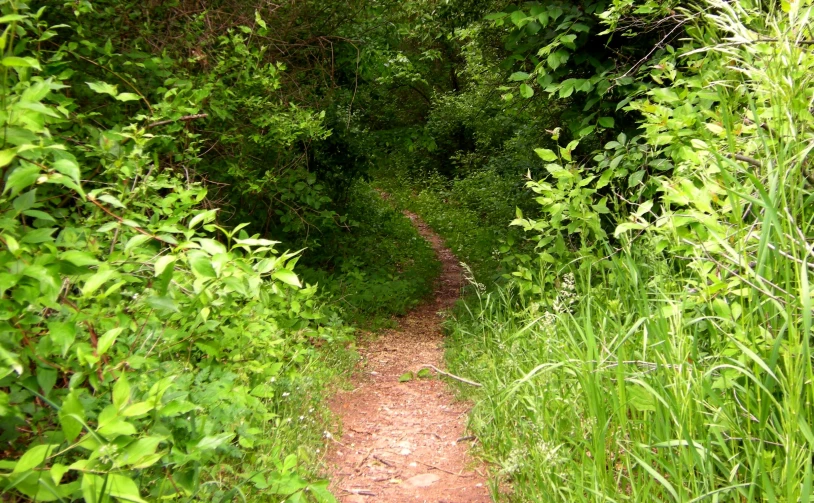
[
  {"x": 184, "y": 119},
  {"x": 360, "y": 463},
  {"x": 363, "y": 492},
  {"x": 746, "y": 159},
  {"x": 382, "y": 461},
  {"x": 443, "y": 470},
  {"x": 453, "y": 376}
]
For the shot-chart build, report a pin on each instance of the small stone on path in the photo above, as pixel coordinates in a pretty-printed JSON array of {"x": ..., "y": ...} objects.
[{"x": 423, "y": 480}]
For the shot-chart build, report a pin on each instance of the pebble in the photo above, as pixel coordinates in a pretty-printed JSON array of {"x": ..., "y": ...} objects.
[{"x": 423, "y": 480}]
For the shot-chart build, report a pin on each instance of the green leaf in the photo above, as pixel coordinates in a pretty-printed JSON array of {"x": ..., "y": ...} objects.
[
  {"x": 263, "y": 391},
  {"x": 78, "y": 258},
  {"x": 111, "y": 200},
  {"x": 25, "y": 201},
  {"x": 566, "y": 88},
  {"x": 68, "y": 168},
  {"x": 406, "y": 377},
  {"x": 518, "y": 17},
  {"x": 42, "y": 235},
  {"x": 140, "y": 449},
  {"x": 58, "y": 471},
  {"x": 113, "y": 484},
  {"x": 664, "y": 95},
  {"x": 659, "y": 477},
  {"x": 165, "y": 304},
  {"x": 21, "y": 62},
  {"x": 175, "y": 407},
  {"x": 518, "y": 76},
  {"x": 714, "y": 128},
  {"x": 211, "y": 246},
  {"x": 319, "y": 490},
  {"x": 568, "y": 41},
  {"x": 526, "y": 91},
  {"x": 259, "y": 20},
  {"x": 644, "y": 208},
  {"x": 138, "y": 409},
  {"x": 424, "y": 373},
  {"x": 8, "y": 18},
  {"x": 62, "y": 335},
  {"x": 256, "y": 242},
  {"x": 39, "y": 215},
  {"x": 116, "y": 427},
  {"x": 135, "y": 241},
  {"x": 214, "y": 441},
  {"x": 201, "y": 264},
  {"x": 553, "y": 60},
  {"x": 625, "y": 227},
  {"x": 108, "y": 339},
  {"x": 495, "y": 15},
  {"x": 203, "y": 217},
  {"x": 97, "y": 280},
  {"x": 34, "y": 457},
  {"x": 557, "y": 58},
  {"x": 635, "y": 178},
  {"x": 546, "y": 154},
  {"x": 287, "y": 277},
  {"x": 163, "y": 262},
  {"x": 71, "y": 416},
  {"x": 103, "y": 88},
  {"x": 6, "y": 156},
  {"x": 121, "y": 392},
  {"x": 128, "y": 97},
  {"x": 21, "y": 177},
  {"x": 46, "y": 378},
  {"x": 92, "y": 488},
  {"x": 606, "y": 122}
]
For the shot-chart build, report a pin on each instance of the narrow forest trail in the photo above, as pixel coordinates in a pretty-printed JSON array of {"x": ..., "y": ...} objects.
[{"x": 402, "y": 442}]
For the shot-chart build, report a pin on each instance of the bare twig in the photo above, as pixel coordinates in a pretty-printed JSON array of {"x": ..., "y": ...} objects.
[
  {"x": 185, "y": 118},
  {"x": 748, "y": 160},
  {"x": 362, "y": 461},
  {"x": 638, "y": 64},
  {"x": 363, "y": 492},
  {"x": 453, "y": 376},
  {"x": 121, "y": 220},
  {"x": 443, "y": 470},
  {"x": 382, "y": 461}
]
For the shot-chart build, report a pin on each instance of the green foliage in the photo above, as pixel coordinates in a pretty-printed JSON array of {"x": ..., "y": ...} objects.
[
  {"x": 642, "y": 330},
  {"x": 658, "y": 348},
  {"x": 147, "y": 350},
  {"x": 379, "y": 265},
  {"x": 468, "y": 220}
]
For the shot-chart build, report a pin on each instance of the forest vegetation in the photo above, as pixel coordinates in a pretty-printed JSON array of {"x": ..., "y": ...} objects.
[{"x": 192, "y": 236}]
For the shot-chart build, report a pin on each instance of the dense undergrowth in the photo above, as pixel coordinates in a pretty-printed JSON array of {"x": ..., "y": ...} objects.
[
  {"x": 156, "y": 340},
  {"x": 189, "y": 234},
  {"x": 658, "y": 345}
]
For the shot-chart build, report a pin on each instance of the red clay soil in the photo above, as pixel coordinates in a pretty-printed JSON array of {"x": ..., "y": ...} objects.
[{"x": 406, "y": 442}]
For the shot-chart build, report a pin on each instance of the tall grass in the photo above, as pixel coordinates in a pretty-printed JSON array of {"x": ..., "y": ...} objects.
[{"x": 683, "y": 375}]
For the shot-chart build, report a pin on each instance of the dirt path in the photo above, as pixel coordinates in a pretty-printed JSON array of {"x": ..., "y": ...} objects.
[{"x": 403, "y": 442}]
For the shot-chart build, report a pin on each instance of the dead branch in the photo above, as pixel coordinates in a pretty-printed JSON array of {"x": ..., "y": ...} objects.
[
  {"x": 453, "y": 376},
  {"x": 184, "y": 119}
]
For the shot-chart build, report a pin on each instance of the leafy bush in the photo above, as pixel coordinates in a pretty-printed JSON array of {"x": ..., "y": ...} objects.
[
  {"x": 668, "y": 357},
  {"x": 380, "y": 265},
  {"x": 147, "y": 351},
  {"x": 469, "y": 222}
]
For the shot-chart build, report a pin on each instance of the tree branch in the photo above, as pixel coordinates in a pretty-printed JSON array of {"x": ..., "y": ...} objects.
[{"x": 184, "y": 118}]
